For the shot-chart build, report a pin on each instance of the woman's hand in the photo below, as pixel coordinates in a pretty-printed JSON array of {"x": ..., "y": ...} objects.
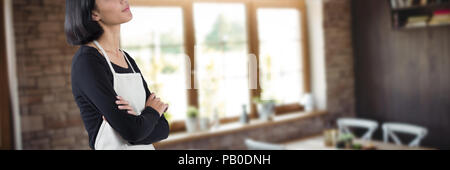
[
  {"x": 124, "y": 105},
  {"x": 156, "y": 104}
]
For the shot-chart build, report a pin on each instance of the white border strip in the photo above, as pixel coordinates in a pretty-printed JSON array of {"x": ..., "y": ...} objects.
[{"x": 12, "y": 71}]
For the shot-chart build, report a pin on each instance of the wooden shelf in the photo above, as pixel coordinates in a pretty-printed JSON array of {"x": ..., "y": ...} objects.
[
  {"x": 399, "y": 16},
  {"x": 426, "y": 7},
  {"x": 428, "y": 26}
]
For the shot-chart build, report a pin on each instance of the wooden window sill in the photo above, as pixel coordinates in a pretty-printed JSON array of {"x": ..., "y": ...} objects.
[{"x": 231, "y": 128}]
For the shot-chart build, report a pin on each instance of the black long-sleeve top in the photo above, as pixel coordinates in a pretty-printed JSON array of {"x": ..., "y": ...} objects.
[{"x": 93, "y": 90}]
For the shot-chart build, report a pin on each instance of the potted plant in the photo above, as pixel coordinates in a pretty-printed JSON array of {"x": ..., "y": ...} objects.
[
  {"x": 266, "y": 108},
  {"x": 192, "y": 119},
  {"x": 345, "y": 141}
]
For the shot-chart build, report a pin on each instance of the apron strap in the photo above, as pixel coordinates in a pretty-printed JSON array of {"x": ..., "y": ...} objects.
[
  {"x": 127, "y": 60},
  {"x": 106, "y": 56}
]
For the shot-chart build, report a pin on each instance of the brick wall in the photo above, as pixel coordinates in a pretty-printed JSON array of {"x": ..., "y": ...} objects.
[
  {"x": 49, "y": 116},
  {"x": 339, "y": 68}
]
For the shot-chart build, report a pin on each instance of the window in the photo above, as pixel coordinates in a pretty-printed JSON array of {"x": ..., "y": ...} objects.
[
  {"x": 218, "y": 37},
  {"x": 221, "y": 58},
  {"x": 155, "y": 40},
  {"x": 280, "y": 55}
]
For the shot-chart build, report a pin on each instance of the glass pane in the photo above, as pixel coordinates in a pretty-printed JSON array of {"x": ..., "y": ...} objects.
[
  {"x": 221, "y": 58},
  {"x": 280, "y": 55},
  {"x": 154, "y": 38}
]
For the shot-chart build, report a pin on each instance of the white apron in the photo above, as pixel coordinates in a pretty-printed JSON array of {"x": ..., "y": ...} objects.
[{"x": 130, "y": 87}]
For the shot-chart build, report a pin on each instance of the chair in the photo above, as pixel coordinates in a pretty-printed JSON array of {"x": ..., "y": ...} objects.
[
  {"x": 390, "y": 128},
  {"x": 344, "y": 125},
  {"x": 257, "y": 145}
]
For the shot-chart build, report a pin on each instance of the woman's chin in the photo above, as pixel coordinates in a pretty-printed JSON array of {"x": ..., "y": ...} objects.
[{"x": 127, "y": 19}]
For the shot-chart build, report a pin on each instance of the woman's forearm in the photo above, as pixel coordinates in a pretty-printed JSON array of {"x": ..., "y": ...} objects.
[{"x": 160, "y": 132}]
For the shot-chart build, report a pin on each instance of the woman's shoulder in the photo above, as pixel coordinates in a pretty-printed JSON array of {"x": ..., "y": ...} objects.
[
  {"x": 88, "y": 58},
  {"x": 84, "y": 52},
  {"x": 87, "y": 54}
]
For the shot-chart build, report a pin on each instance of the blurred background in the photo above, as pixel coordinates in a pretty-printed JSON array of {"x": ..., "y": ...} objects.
[{"x": 329, "y": 74}]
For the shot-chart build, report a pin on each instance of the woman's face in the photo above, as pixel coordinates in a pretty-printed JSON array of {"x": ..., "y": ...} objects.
[{"x": 112, "y": 12}]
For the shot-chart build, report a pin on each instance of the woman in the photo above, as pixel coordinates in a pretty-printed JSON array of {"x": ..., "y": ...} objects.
[{"x": 118, "y": 110}]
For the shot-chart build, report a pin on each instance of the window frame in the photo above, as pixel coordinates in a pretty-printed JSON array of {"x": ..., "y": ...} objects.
[{"x": 251, "y": 7}]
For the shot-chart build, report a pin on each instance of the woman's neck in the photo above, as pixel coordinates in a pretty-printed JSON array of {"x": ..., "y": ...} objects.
[{"x": 110, "y": 40}]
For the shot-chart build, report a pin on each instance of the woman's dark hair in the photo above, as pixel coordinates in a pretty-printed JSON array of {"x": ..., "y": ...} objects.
[{"x": 79, "y": 26}]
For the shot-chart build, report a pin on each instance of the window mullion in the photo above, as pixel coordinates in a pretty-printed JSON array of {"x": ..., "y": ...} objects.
[
  {"x": 188, "y": 16},
  {"x": 253, "y": 48}
]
